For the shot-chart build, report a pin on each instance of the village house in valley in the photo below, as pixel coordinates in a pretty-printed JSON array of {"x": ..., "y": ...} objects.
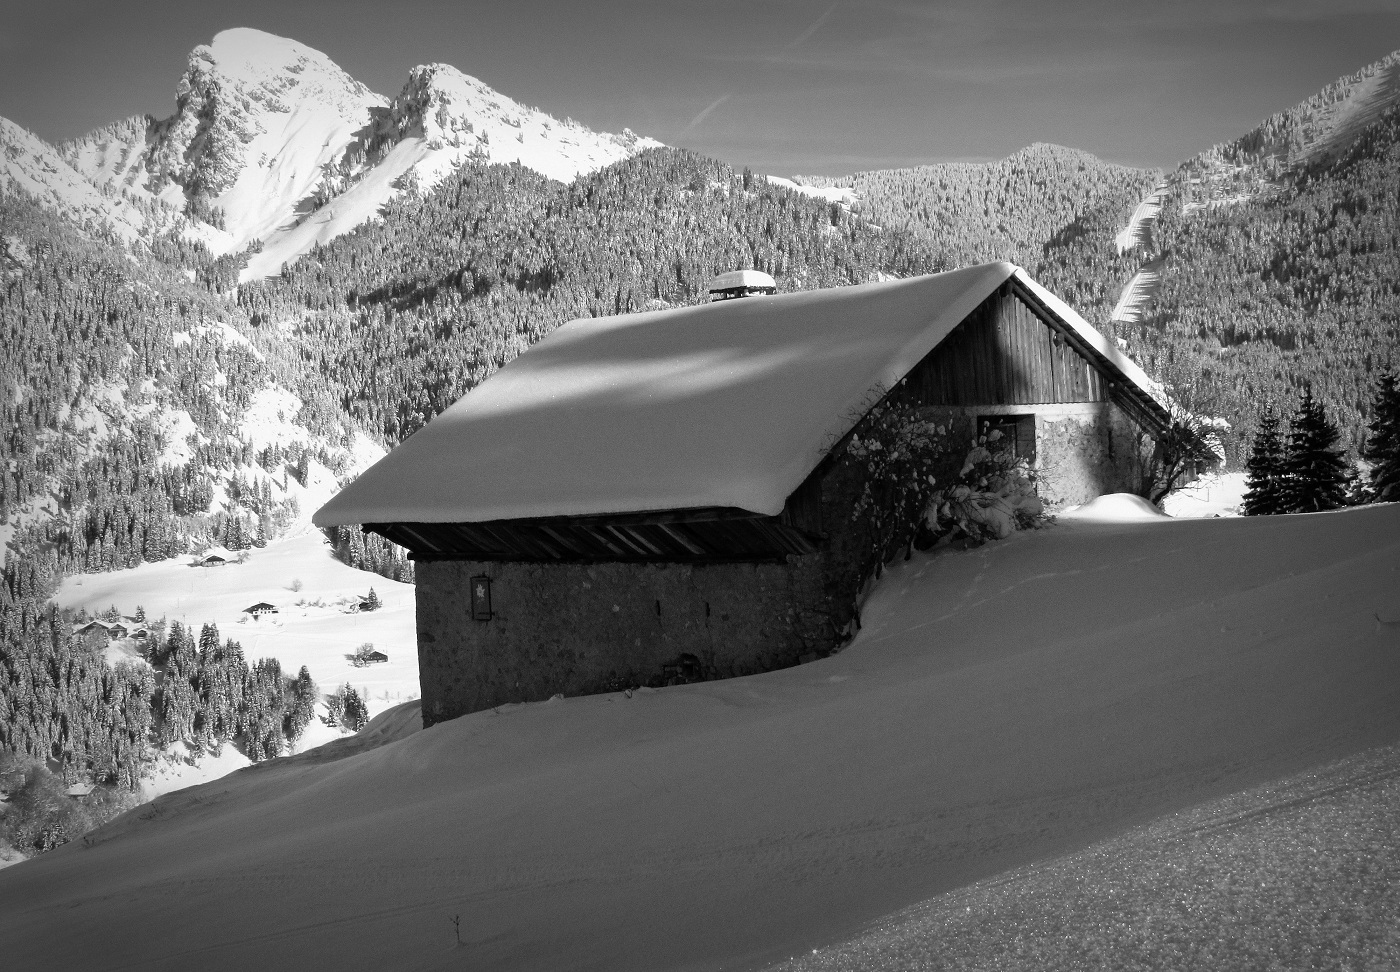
[{"x": 668, "y": 495}]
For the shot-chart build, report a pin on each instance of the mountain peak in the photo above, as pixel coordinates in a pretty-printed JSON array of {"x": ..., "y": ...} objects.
[
  {"x": 257, "y": 50},
  {"x": 271, "y": 141}
]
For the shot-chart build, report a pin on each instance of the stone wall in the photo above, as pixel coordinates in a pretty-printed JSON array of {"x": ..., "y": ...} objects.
[
  {"x": 578, "y": 629},
  {"x": 1083, "y": 449}
]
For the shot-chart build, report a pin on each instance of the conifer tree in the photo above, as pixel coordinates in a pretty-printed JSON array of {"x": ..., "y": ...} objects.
[
  {"x": 1317, "y": 472},
  {"x": 372, "y": 601},
  {"x": 303, "y": 707},
  {"x": 1383, "y": 445},
  {"x": 1265, "y": 468},
  {"x": 356, "y": 715}
]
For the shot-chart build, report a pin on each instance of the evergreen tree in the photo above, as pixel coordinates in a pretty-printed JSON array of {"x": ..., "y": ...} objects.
[
  {"x": 372, "y": 602},
  {"x": 356, "y": 715},
  {"x": 1264, "y": 497},
  {"x": 1383, "y": 445},
  {"x": 303, "y": 707},
  {"x": 1317, "y": 471},
  {"x": 335, "y": 705}
]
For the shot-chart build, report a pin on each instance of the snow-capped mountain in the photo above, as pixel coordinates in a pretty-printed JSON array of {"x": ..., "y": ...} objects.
[
  {"x": 256, "y": 119},
  {"x": 439, "y": 120},
  {"x": 272, "y": 142}
]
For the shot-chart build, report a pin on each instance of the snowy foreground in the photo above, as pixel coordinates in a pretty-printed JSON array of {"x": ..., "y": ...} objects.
[{"x": 1002, "y": 707}]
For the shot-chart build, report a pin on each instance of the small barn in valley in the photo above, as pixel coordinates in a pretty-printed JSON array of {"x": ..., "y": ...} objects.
[{"x": 667, "y": 495}]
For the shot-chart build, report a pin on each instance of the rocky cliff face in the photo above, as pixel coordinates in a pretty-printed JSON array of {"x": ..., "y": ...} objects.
[{"x": 443, "y": 118}]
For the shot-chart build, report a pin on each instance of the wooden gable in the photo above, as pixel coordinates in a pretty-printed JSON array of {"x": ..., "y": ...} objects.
[
  {"x": 1012, "y": 350},
  {"x": 1006, "y": 353}
]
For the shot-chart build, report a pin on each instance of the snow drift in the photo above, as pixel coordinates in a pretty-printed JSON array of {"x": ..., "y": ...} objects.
[{"x": 1000, "y": 706}]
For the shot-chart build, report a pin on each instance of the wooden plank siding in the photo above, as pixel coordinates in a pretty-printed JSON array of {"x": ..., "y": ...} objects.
[{"x": 1005, "y": 353}]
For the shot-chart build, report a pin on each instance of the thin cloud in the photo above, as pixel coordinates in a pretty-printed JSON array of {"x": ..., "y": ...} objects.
[
  {"x": 815, "y": 26},
  {"x": 705, "y": 112}
]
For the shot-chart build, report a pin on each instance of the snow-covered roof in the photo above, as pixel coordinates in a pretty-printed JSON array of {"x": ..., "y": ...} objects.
[
  {"x": 726, "y": 404},
  {"x": 743, "y": 280}
]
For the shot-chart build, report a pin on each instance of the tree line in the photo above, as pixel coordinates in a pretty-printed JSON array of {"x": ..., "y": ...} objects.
[
  {"x": 1305, "y": 471},
  {"x": 1010, "y": 209},
  {"x": 63, "y": 705}
]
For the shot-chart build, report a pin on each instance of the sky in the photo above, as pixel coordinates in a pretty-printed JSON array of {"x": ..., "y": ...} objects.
[{"x": 785, "y": 86}]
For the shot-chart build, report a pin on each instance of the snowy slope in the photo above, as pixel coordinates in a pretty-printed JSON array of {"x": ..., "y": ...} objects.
[
  {"x": 312, "y": 592},
  {"x": 1332, "y": 118},
  {"x": 1001, "y": 706},
  {"x": 1139, "y": 292},
  {"x": 1137, "y": 235},
  {"x": 32, "y": 166}
]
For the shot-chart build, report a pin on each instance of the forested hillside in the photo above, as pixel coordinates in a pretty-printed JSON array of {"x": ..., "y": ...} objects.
[
  {"x": 410, "y": 313},
  {"x": 1004, "y": 210},
  {"x": 126, "y": 389},
  {"x": 1297, "y": 287},
  {"x": 1314, "y": 132},
  {"x": 138, "y": 422}
]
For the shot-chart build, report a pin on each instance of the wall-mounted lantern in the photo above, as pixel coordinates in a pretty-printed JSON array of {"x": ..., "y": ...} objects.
[{"x": 481, "y": 598}]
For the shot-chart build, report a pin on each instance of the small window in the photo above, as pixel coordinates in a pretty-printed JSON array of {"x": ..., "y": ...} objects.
[
  {"x": 481, "y": 598},
  {"x": 1009, "y": 433}
]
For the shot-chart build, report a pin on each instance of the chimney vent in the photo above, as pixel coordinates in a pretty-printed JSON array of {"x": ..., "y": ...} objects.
[{"x": 741, "y": 283}]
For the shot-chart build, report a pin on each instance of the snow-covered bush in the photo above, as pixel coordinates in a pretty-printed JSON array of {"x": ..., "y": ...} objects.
[
  {"x": 993, "y": 496},
  {"x": 915, "y": 492},
  {"x": 899, "y": 457}
]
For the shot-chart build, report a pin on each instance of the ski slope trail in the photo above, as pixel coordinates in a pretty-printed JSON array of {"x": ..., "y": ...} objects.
[
  {"x": 1138, "y": 233},
  {"x": 1137, "y": 237},
  {"x": 1138, "y": 295},
  {"x": 1001, "y": 706}
]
